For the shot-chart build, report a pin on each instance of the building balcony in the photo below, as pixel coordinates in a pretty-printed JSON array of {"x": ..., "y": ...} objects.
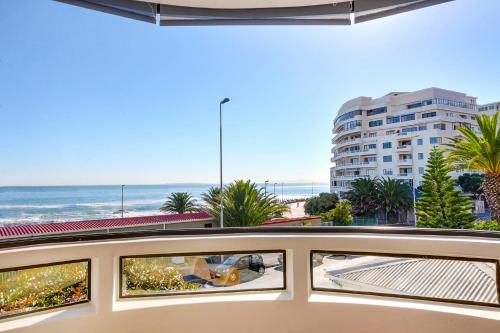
[
  {"x": 355, "y": 165},
  {"x": 351, "y": 177},
  {"x": 405, "y": 174},
  {"x": 347, "y": 143},
  {"x": 405, "y": 161},
  {"x": 364, "y": 279},
  {"x": 404, "y": 148}
]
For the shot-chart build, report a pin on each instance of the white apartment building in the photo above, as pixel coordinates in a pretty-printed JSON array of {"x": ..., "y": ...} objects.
[
  {"x": 392, "y": 136},
  {"x": 490, "y": 108}
]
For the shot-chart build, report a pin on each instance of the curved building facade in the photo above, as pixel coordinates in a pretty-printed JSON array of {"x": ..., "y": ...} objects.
[{"x": 392, "y": 136}]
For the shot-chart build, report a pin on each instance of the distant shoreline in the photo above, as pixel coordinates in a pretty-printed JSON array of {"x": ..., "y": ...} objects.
[{"x": 160, "y": 184}]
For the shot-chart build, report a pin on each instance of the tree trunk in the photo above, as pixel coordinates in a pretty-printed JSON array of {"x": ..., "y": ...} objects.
[{"x": 492, "y": 193}]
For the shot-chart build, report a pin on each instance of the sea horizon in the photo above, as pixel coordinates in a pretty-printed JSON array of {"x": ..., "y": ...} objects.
[{"x": 60, "y": 203}]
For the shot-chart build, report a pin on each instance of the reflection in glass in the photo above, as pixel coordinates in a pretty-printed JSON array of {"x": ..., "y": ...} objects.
[
  {"x": 422, "y": 277},
  {"x": 160, "y": 275},
  {"x": 32, "y": 289}
]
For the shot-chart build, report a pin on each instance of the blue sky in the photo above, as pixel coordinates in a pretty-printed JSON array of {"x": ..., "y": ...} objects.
[{"x": 90, "y": 98}]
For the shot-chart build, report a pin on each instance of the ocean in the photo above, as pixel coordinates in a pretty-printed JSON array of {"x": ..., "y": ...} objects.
[{"x": 23, "y": 205}]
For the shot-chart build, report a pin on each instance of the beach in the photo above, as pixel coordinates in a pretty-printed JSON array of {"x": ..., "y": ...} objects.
[{"x": 28, "y": 205}]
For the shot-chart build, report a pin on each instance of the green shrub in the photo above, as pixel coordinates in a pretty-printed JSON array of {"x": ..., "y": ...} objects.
[
  {"x": 144, "y": 275},
  {"x": 321, "y": 204},
  {"x": 341, "y": 215},
  {"x": 42, "y": 287},
  {"x": 487, "y": 225}
]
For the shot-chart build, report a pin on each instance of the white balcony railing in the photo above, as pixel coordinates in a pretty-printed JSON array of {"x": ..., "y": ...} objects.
[{"x": 304, "y": 304}]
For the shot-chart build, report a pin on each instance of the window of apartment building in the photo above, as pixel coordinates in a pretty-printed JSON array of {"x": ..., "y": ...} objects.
[
  {"x": 420, "y": 142},
  {"x": 390, "y": 132},
  {"x": 435, "y": 140},
  {"x": 371, "y": 135},
  {"x": 352, "y": 124},
  {"x": 370, "y": 159},
  {"x": 409, "y": 129},
  {"x": 370, "y": 146},
  {"x": 429, "y": 114},
  {"x": 387, "y": 172},
  {"x": 419, "y": 104},
  {"x": 463, "y": 116},
  {"x": 375, "y": 123},
  {"x": 387, "y": 145},
  {"x": 376, "y": 111},
  {"x": 440, "y": 126},
  {"x": 354, "y": 148},
  {"x": 422, "y": 128},
  {"x": 392, "y": 120},
  {"x": 421, "y": 170},
  {"x": 348, "y": 115},
  {"x": 408, "y": 117},
  {"x": 420, "y": 156},
  {"x": 414, "y": 105},
  {"x": 387, "y": 158}
]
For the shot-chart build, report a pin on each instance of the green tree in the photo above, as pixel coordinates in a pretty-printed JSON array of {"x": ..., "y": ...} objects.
[
  {"x": 211, "y": 200},
  {"x": 179, "y": 202},
  {"x": 321, "y": 204},
  {"x": 340, "y": 215},
  {"x": 439, "y": 204},
  {"x": 480, "y": 153},
  {"x": 393, "y": 197},
  {"x": 245, "y": 204},
  {"x": 362, "y": 198},
  {"x": 471, "y": 183}
]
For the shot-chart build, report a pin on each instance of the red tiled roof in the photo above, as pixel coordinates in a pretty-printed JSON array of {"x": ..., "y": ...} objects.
[
  {"x": 67, "y": 227},
  {"x": 292, "y": 219}
]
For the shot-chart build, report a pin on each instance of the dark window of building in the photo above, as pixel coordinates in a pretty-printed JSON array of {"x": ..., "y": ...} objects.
[
  {"x": 428, "y": 114},
  {"x": 376, "y": 111},
  {"x": 375, "y": 123},
  {"x": 440, "y": 126},
  {"x": 392, "y": 120},
  {"x": 408, "y": 117},
  {"x": 386, "y": 145}
]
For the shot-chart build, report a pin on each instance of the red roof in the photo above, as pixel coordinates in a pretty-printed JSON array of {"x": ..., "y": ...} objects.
[
  {"x": 67, "y": 227},
  {"x": 292, "y": 219}
]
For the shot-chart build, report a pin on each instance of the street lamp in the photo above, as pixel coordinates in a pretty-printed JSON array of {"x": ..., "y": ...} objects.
[
  {"x": 224, "y": 101},
  {"x": 265, "y": 187},
  {"x": 274, "y": 189}
]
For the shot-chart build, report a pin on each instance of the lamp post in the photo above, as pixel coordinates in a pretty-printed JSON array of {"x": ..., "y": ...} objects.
[
  {"x": 122, "y": 199},
  {"x": 224, "y": 101},
  {"x": 265, "y": 187},
  {"x": 274, "y": 188}
]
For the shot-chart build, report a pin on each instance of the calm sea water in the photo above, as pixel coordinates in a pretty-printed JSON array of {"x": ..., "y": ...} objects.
[{"x": 20, "y": 205}]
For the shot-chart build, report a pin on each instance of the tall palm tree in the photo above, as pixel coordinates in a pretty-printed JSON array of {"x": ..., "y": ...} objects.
[
  {"x": 211, "y": 200},
  {"x": 480, "y": 153},
  {"x": 362, "y": 197},
  {"x": 393, "y": 196},
  {"x": 244, "y": 204},
  {"x": 179, "y": 202}
]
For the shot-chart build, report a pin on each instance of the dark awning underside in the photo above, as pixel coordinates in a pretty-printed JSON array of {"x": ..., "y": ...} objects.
[{"x": 253, "y": 12}]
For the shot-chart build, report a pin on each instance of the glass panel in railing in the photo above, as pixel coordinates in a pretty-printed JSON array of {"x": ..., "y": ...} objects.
[
  {"x": 423, "y": 277},
  {"x": 36, "y": 288},
  {"x": 202, "y": 273}
]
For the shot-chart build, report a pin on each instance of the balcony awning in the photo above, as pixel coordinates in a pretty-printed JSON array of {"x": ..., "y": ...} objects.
[{"x": 253, "y": 12}]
